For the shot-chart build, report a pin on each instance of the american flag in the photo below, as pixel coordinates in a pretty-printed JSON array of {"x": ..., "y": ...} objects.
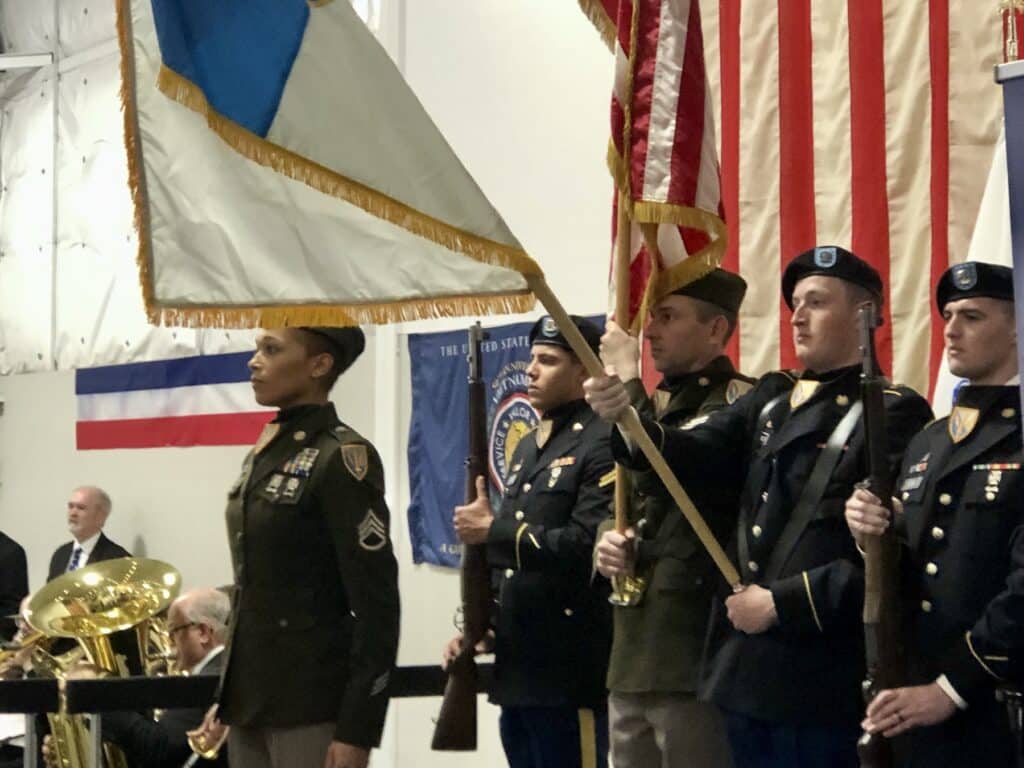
[
  {"x": 663, "y": 154},
  {"x": 863, "y": 123}
]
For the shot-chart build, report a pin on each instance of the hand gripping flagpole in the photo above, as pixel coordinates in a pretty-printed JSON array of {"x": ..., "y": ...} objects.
[
  {"x": 627, "y": 589},
  {"x": 630, "y": 423}
]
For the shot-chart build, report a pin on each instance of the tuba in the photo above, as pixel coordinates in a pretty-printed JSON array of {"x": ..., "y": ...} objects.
[{"x": 89, "y": 605}]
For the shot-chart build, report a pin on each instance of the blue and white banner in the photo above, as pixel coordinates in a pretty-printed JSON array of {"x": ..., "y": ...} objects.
[
  {"x": 282, "y": 170},
  {"x": 438, "y": 432}
]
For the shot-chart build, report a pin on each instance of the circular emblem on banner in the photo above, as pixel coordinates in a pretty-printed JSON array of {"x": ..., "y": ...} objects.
[{"x": 512, "y": 417}]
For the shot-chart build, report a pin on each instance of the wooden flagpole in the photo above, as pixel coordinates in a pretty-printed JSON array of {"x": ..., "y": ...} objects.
[{"x": 630, "y": 423}]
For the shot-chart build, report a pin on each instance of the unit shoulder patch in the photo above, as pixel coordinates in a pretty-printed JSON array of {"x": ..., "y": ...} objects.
[{"x": 356, "y": 459}]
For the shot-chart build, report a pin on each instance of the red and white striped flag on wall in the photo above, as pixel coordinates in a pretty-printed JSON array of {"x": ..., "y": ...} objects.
[
  {"x": 663, "y": 154},
  {"x": 863, "y": 123}
]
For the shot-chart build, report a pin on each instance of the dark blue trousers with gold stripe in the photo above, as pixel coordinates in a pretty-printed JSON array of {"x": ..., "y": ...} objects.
[{"x": 555, "y": 737}]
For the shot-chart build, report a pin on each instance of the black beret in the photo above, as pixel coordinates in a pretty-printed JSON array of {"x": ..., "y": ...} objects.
[
  {"x": 347, "y": 343},
  {"x": 545, "y": 331},
  {"x": 831, "y": 261},
  {"x": 974, "y": 278},
  {"x": 718, "y": 287}
]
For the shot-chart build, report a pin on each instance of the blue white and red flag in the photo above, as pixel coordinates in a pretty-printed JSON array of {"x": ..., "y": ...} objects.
[{"x": 202, "y": 400}]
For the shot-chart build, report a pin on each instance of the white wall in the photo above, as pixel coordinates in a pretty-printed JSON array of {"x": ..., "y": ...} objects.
[{"x": 521, "y": 90}]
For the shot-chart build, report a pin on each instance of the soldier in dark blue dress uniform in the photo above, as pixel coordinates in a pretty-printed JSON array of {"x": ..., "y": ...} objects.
[
  {"x": 960, "y": 517},
  {"x": 552, "y": 631},
  {"x": 784, "y": 656}
]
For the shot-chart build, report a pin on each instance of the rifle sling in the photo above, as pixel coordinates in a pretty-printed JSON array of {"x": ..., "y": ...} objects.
[{"x": 813, "y": 492}]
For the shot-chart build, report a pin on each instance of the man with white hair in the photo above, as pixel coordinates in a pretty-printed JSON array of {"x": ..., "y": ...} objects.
[
  {"x": 88, "y": 510},
  {"x": 196, "y": 622}
]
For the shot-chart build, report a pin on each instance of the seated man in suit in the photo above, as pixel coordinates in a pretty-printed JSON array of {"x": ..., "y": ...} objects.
[
  {"x": 13, "y": 583},
  {"x": 88, "y": 510},
  {"x": 196, "y": 623}
]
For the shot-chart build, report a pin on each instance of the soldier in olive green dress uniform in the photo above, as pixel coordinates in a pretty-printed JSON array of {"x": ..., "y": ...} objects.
[
  {"x": 314, "y": 630},
  {"x": 655, "y": 718}
]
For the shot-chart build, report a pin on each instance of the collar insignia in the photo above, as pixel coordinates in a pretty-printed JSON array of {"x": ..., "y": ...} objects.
[
  {"x": 660, "y": 400},
  {"x": 736, "y": 389},
  {"x": 543, "y": 432},
  {"x": 802, "y": 392},
  {"x": 962, "y": 422}
]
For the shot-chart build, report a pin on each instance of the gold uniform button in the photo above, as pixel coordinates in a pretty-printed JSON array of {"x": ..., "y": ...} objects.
[
  {"x": 508, "y": 573},
  {"x": 926, "y": 606},
  {"x": 931, "y": 569},
  {"x": 754, "y": 567},
  {"x": 299, "y": 436},
  {"x": 519, "y": 514},
  {"x": 905, "y": 496},
  {"x": 764, "y": 496},
  {"x": 1009, "y": 413},
  {"x": 990, "y": 496},
  {"x": 756, "y": 530},
  {"x": 568, "y": 611},
  {"x": 527, "y": 487},
  {"x": 938, "y": 534},
  {"x": 703, "y": 381},
  {"x": 945, "y": 499}
]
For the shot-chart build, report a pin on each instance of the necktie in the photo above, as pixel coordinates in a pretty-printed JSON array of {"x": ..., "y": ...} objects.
[{"x": 76, "y": 557}]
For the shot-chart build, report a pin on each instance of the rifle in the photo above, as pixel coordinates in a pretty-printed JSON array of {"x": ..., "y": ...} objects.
[
  {"x": 455, "y": 729},
  {"x": 885, "y": 668}
]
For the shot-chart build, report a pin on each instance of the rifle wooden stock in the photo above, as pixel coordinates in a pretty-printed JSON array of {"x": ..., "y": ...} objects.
[
  {"x": 455, "y": 729},
  {"x": 885, "y": 667}
]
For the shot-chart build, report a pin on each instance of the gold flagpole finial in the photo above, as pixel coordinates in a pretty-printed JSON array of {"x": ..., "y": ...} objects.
[{"x": 1010, "y": 12}]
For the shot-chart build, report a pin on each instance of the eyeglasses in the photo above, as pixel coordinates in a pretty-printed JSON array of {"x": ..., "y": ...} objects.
[{"x": 172, "y": 631}]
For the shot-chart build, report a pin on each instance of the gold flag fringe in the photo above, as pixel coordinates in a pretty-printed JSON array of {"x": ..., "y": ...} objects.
[
  {"x": 279, "y": 316},
  {"x": 322, "y": 179},
  {"x": 136, "y": 181},
  {"x": 334, "y": 184},
  {"x": 605, "y": 26},
  {"x": 646, "y": 213}
]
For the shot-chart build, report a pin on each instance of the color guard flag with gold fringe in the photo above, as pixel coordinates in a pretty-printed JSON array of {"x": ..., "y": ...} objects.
[
  {"x": 283, "y": 172},
  {"x": 663, "y": 154}
]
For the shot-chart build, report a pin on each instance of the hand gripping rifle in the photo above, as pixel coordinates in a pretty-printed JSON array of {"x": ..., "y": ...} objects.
[
  {"x": 456, "y": 725},
  {"x": 881, "y": 553}
]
